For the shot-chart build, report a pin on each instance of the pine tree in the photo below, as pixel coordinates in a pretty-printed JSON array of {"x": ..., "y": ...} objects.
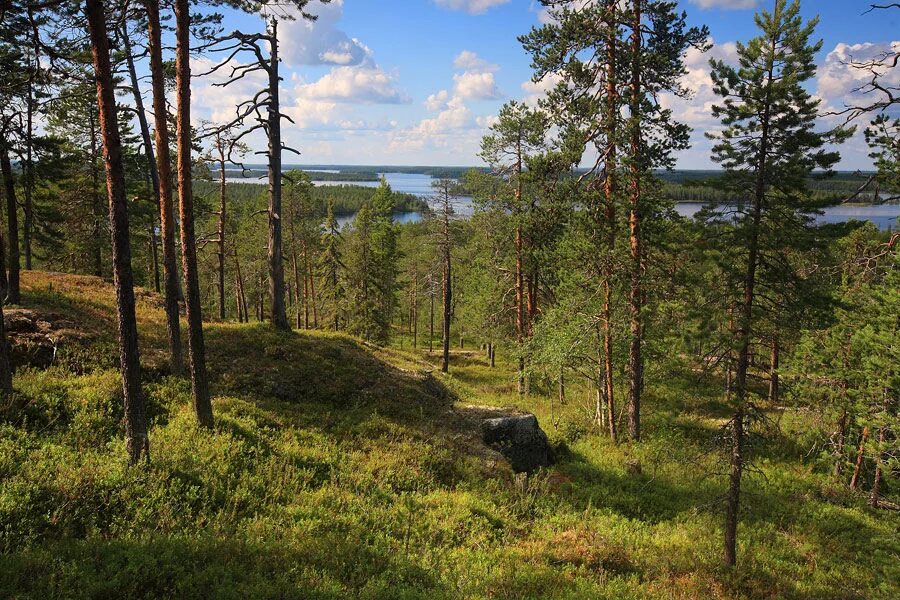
[
  {"x": 519, "y": 133},
  {"x": 137, "y": 442},
  {"x": 196, "y": 343},
  {"x": 768, "y": 146},
  {"x": 331, "y": 268},
  {"x": 362, "y": 281}
]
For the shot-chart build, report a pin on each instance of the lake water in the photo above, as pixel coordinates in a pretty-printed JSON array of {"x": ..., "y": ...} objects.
[{"x": 884, "y": 216}]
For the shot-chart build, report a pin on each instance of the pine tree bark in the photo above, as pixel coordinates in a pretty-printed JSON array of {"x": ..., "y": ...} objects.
[
  {"x": 96, "y": 200},
  {"x": 241, "y": 300},
  {"x": 13, "y": 294},
  {"x": 196, "y": 347},
  {"x": 28, "y": 176},
  {"x": 635, "y": 294},
  {"x": 773, "y": 371},
  {"x": 137, "y": 442},
  {"x": 166, "y": 204},
  {"x": 6, "y": 371},
  {"x": 448, "y": 284},
  {"x": 6, "y": 374},
  {"x": 609, "y": 191},
  {"x": 152, "y": 169},
  {"x": 431, "y": 325},
  {"x": 520, "y": 304},
  {"x": 448, "y": 296},
  {"x": 860, "y": 454}
]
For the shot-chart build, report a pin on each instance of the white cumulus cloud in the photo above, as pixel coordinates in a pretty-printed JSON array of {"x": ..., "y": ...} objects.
[
  {"x": 364, "y": 84},
  {"x": 437, "y": 101},
  {"x": 470, "y": 61},
  {"x": 320, "y": 42},
  {"x": 476, "y": 86}
]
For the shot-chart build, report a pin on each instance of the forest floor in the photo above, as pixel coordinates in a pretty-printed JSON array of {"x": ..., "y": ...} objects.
[{"x": 341, "y": 470}]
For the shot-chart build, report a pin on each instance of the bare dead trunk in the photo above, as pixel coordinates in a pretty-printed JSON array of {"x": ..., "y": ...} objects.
[
  {"x": 166, "y": 205},
  {"x": 196, "y": 347},
  {"x": 137, "y": 442},
  {"x": 221, "y": 240},
  {"x": 275, "y": 258}
]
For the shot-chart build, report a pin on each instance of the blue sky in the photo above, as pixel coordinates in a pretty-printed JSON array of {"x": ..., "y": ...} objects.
[{"x": 419, "y": 81}]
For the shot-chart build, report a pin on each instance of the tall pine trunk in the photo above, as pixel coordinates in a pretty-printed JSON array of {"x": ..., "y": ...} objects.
[
  {"x": 152, "y": 169},
  {"x": 137, "y": 442},
  {"x": 609, "y": 191},
  {"x": 166, "y": 204},
  {"x": 744, "y": 337},
  {"x": 635, "y": 294},
  {"x": 96, "y": 201},
  {"x": 196, "y": 347}
]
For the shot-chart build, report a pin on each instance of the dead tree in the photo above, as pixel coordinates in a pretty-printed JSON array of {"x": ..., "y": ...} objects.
[
  {"x": 262, "y": 112},
  {"x": 221, "y": 150}
]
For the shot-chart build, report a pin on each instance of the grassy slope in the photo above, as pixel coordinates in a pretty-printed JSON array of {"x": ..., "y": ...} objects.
[{"x": 337, "y": 471}]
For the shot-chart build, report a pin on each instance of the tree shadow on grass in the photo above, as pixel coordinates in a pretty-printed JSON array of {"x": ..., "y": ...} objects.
[
  {"x": 333, "y": 373},
  {"x": 645, "y": 497},
  {"x": 330, "y": 566}
]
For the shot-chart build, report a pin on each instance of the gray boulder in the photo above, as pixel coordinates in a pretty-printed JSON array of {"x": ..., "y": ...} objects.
[{"x": 520, "y": 439}]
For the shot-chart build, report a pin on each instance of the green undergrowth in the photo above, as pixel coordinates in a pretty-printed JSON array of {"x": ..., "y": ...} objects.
[{"x": 338, "y": 470}]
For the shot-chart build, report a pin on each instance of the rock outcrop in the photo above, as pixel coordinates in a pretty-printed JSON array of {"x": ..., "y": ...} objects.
[
  {"x": 520, "y": 440},
  {"x": 34, "y": 337}
]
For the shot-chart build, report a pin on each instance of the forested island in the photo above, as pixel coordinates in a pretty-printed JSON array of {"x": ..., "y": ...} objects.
[{"x": 548, "y": 384}]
